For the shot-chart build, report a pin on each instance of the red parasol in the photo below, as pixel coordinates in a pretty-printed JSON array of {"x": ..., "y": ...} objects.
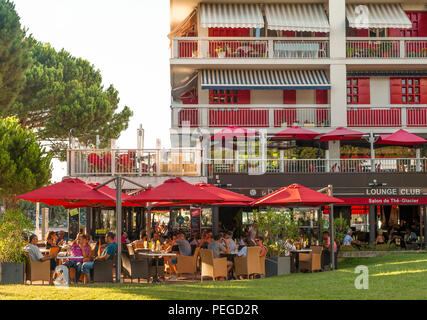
[
  {"x": 342, "y": 134},
  {"x": 296, "y": 195},
  {"x": 296, "y": 133},
  {"x": 70, "y": 193},
  {"x": 176, "y": 191},
  {"x": 401, "y": 138}
]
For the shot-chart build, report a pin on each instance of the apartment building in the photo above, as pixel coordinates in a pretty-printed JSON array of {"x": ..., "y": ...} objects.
[{"x": 270, "y": 65}]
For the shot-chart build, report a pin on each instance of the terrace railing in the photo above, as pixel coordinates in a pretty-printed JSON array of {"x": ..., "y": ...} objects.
[
  {"x": 260, "y": 116},
  {"x": 244, "y": 48},
  {"x": 335, "y": 166},
  {"x": 386, "y": 48},
  {"x": 134, "y": 162},
  {"x": 387, "y": 116}
]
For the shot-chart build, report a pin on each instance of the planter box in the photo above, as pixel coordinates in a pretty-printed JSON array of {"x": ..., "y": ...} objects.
[
  {"x": 276, "y": 266},
  {"x": 11, "y": 273}
]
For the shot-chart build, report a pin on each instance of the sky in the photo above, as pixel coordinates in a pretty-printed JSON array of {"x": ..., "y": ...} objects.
[{"x": 127, "y": 41}]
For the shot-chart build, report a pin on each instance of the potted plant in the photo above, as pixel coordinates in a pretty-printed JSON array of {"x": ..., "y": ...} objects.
[
  {"x": 277, "y": 226},
  {"x": 221, "y": 52},
  {"x": 13, "y": 224}
]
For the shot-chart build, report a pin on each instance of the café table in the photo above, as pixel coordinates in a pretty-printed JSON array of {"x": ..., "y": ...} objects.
[
  {"x": 44, "y": 251},
  {"x": 156, "y": 255},
  {"x": 295, "y": 257},
  {"x": 61, "y": 257}
]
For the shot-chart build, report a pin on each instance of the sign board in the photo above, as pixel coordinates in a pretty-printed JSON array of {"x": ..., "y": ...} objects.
[
  {"x": 196, "y": 220},
  {"x": 73, "y": 223},
  {"x": 385, "y": 201},
  {"x": 396, "y": 192}
]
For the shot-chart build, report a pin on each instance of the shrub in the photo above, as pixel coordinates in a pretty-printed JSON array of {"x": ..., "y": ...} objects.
[{"x": 13, "y": 224}]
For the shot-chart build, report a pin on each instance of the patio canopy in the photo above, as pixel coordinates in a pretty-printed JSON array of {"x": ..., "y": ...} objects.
[
  {"x": 342, "y": 134},
  {"x": 401, "y": 138},
  {"x": 232, "y": 132},
  {"x": 265, "y": 79},
  {"x": 176, "y": 191},
  {"x": 69, "y": 193},
  {"x": 296, "y": 133},
  {"x": 377, "y": 16},
  {"x": 297, "y": 17},
  {"x": 236, "y": 15},
  {"x": 296, "y": 195}
]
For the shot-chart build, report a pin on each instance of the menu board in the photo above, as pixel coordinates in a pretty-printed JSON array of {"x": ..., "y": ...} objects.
[{"x": 196, "y": 220}]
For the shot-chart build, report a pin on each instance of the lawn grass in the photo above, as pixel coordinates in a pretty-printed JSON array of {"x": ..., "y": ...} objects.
[{"x": 402, "y": 276}]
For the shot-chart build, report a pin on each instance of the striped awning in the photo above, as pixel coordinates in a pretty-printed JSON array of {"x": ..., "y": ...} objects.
[
  {"x": 297, "y": 17},
  {"x": 265, "y": 79},
  {"x": 221, "y": 15},
  {"x": 377, "y": 16}
]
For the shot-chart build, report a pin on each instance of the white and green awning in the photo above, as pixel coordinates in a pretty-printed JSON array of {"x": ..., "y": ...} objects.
[
  {"x": 297, "y": 17},
  {"x": 223, "y": 15},
  {"x": 377, "y": 16}
]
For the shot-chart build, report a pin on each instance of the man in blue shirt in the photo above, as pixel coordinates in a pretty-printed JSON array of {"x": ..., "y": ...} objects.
[
  {"x": 108, "y": 253},
  {"x": 348, "y": 239}
]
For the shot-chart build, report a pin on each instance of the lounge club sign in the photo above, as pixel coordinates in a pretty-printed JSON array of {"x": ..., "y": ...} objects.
[{"x": 395, "y": 192}]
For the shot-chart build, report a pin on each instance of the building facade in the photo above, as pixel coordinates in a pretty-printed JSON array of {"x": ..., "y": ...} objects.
[{"x": 269, "y": 65}]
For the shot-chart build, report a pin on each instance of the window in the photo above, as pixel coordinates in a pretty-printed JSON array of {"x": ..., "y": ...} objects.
[
  {"x": 411, "y": 88},
  {"x": 358, "y": 91},
  {"x": 229, "y": 96}
]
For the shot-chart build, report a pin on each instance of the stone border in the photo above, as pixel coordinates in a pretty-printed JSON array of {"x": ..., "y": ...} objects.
[{"x": 371, "y": 254}]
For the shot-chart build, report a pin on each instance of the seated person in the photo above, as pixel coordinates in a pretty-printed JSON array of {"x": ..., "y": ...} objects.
[
  {"x": 232, "y": 246},
  {"x": 184, "y": 250},
  {"x": 108, "y": 254},
  {"x": 51, "y": 240},
  {"x": 349, "y": 240},
  {"x": 80, "y": 249},
  {"x": 289, "y": 247},
  {"x": 62, "y": 239},
  {"x": 142, "y": 242},
  {"x": 410, "y": 236},
  {"x": 217, "y": 247},
  {"x": 206, "y": 239},
  {"x": 36, "y": 255},
  {"x": 263, "y": 249},
  {"x": 380, "y": 238}
]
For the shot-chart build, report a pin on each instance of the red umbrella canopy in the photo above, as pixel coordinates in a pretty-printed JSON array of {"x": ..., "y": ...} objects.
[
  {"x": 342, "y": 133},
  {"x": 68, "y": 192},
  {"x": 401, "y": 138},
  {"x": 296, "y": 133},
  {"x": 232, "y": 132},
  {"x": 296, "y": 195},
  {"x": 176, "y": 191},
  {"x": 229, "y": 197}
]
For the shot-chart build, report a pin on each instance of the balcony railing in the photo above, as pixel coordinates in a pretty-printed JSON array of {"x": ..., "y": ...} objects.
[
  {"x": 263, "y": 166},
  {"x": 243, "y": 48},
  {"x": 137, "y": 162},
  {"x": 386, "y": 48},
  {"x": 411, "y": 116},
  {"x": 260, "y": 116}
]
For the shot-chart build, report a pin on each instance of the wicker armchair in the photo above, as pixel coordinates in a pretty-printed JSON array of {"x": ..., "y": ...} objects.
[
  {"x": 249, "y": 265},
  {"x": 132, "y": 267},
  {"x": 36, "y": 270},
  {"x": 214, "y": 268},
  {"x": 188, "y": 265},
  {"x": 311, "y": 261},
  {"x": 262, "y": 266}
]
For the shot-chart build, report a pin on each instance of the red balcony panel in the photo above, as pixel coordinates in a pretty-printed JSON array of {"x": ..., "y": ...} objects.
[
  {"x": 288, "y": 115},
  {"x": 416, "y": 117},
  {"x": 239, "y": 117},
  {"x": 187, "y": 49},
  {"x": 190, "y": 115},
  {"x": 368, "y": 117}
]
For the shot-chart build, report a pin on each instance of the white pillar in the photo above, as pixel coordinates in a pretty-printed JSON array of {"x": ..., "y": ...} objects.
[
  {"x": 337, "y": 22},
  {"x": 338, "y": 78},
  {"x": 334, "y": 153}
]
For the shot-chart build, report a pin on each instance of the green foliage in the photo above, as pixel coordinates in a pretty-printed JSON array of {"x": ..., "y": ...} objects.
[
  {"x": 341, "y": 227},
  {"x": 277, "y": 226},
  {"x": 13, "y": 224},
  {"x": 24, "y": 165},
  {"x": 14, "y": 55},
  {"x": 63, "y": 92}
]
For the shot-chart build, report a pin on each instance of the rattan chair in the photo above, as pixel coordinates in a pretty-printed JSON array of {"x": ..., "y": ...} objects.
[
  {"x": 132, "y": 267},
  {"x": 188, "y": 265},
  {"x": 311, "y": 261},
  {"x": 250, "y": 265},
  {"x": 36, "y": 270},
  {"x": 213, "y": 268}
]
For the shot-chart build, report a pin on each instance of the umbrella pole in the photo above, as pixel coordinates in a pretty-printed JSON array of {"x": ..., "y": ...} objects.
[
  {"x": 331, "y": 229},
  {"x": 119, "y": 229}
]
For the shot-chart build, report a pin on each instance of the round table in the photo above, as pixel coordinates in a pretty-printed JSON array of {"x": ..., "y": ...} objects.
[{"x": 156, "y": 256}]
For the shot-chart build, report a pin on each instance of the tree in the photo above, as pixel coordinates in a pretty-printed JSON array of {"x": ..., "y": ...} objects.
[
  {"x": 14, "y": 55},
  {"x": 63, "y": 93},
  {"x": 24, "y": 164}
]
